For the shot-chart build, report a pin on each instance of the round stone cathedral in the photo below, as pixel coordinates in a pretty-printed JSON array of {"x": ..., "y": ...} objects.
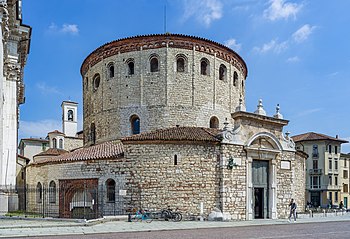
[{"x": 143, "y": 83}]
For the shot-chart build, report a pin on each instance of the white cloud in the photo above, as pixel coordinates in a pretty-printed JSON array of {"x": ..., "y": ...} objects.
[
  {"x": 303, "y": 33},
  {"x": 64, "y": 29},
  {"x": 45, "y": 89},
  {"x": 232, "y": 43},
  {"x": 308, "y": 112},
  {"x": 293, "y": 59},
  {"x": 280, "y": 9},
  {"x": 38, "y": 128},
  {"x": 273, "y": 46},
  {"x": 205, "y": 11}
]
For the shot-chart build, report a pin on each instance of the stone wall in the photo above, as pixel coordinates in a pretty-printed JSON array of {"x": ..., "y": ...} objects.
[
  {"x": 160, "y": 99},
  {"x": 71, "y": 143},
  {"x": 194, "y": 180},
  {"x": 233, "y": 186}
]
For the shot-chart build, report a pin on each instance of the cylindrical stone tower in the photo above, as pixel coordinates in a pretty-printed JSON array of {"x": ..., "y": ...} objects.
[{"x": 143, "y": 83}]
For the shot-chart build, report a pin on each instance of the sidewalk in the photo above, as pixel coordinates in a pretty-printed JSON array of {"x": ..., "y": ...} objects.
[{"x": 45, "y": 227}]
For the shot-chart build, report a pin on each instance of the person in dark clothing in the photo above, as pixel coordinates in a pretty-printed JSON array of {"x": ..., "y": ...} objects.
[{"x": 293, "y": 210}]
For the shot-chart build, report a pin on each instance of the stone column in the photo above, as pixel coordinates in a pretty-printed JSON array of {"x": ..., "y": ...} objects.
[
  {"x": 249, "y": 198},
  {"x": 272, "y": 191}
]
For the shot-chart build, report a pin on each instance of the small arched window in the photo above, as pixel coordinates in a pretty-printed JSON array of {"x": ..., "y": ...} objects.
[
  {"x": 154, "y": 65},
  {"x": 110, "y": 70},
  {"x": 96, "y": 81},
  {"x": 54, "y": 143},
  {"x": 180, "y": 64},
  {"x": 204, "y": 66},
  {"x": 222, "y": 72},
  {"x": 214, "y": 122},
  {"x": 70, "y": 115},
  {"x": 52, "y": 192},
  {"x": 242, "y": 85},
  {"x": 131, "y": 68},
  {"x": 135, "y": 124},
  {"x": 235, "y": 78},
  {"x": 60, "y": 143},
  {"x": 93, "y": 133},
  {"x": 39, "y": 193},
  {"x": 110, "y": 184}
]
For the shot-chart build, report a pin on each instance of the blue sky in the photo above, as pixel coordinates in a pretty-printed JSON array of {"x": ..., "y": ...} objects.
[{"x": 297, "y": 52}]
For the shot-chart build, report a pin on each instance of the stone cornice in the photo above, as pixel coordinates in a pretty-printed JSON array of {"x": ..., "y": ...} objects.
[
  {"x": 156, "y": 41},
  {"x": 262, "y": 118}
]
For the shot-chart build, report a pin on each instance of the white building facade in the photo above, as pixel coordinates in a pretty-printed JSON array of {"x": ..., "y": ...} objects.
[{"x": 14, "y": 48}]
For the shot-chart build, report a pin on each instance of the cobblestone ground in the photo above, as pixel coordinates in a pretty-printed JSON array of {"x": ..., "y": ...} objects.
[{"x": 319, "y": 230}]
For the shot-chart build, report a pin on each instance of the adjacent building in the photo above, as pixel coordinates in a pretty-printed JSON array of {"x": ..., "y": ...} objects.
[
  {"x": 14, "y": 48},
  {"x": 325, "y": 169}
]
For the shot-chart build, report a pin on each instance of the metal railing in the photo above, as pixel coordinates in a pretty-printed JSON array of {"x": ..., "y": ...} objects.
[{"x": 86, "y": 202}]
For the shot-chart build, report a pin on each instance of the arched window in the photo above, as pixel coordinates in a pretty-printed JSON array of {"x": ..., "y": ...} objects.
[
  {"x": 96, "y": 81},
  {"x": 60, "y": 144},
  {"x": 131, "y": 67},
  {"x": 180, "y": 64},
  {"x": 204, "y": 67},
  {"x": 110, "y": 184},
  {"x": 214, "y": 122},
  {"x": 70, "y": 115},
  {"x": 52, "y": 192},
  {"x": 54, "y": 143},
  {"x": 222, "y": 72},
  {"x": 235, "y": 78},
  {"x": 93, "y": 133},
  {"x": 154, "y": 66},
  {"x": 110, "y": 70},
  {"x": 135, "y": 124},
  {"x": 242, "y": 85},
  {"x": 39, "y": 193}
]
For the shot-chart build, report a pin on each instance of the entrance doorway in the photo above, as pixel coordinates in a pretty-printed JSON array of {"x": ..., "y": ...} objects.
[
  {"x": 315, "y": 199},
  {"x": 260, "y": 174}
]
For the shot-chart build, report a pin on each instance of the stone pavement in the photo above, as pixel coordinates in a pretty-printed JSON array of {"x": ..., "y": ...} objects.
[{"x": 10, "y": 227}]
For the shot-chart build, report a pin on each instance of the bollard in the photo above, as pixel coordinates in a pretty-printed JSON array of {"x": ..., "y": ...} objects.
[
  {"x": 129, "y": 217},
  {"x": 324, "y": 213}
]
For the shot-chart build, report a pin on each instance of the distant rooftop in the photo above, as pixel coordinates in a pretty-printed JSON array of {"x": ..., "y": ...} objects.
[{"x": 311, "y": 136}]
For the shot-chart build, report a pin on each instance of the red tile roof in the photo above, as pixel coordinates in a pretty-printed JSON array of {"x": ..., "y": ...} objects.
[
  {"x": 311, "y": 136},
  {"x": 55, "y": 132},
  {"x": 52, "y": 152},
  {"x": 177, "y": 134},
  {"x": 101, "y": 151}
]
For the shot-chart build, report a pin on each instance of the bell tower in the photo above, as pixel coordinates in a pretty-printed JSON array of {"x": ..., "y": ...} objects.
[{"x": 69, "y": 118}]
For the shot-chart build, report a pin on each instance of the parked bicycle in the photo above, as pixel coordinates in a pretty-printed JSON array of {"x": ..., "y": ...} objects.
[
  {"x": 142, "y": 215},
  {"x": 169, "y": 214}
]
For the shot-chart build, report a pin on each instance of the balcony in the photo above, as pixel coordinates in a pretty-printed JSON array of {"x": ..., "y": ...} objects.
[
  {"x": 334, "y": 187},
  {"x": 315, "y": 171},
  {"x": 314, "y": 155}
]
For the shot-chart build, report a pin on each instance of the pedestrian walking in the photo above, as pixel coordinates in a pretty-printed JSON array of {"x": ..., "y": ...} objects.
[{"x": 293, "y": 210}]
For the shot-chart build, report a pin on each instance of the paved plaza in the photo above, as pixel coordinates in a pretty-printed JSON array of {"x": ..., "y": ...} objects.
[{"x": 46, "y": 227}]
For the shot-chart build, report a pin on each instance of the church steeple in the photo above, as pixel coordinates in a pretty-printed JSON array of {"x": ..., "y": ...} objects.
[{"x": 69, "y": 118}]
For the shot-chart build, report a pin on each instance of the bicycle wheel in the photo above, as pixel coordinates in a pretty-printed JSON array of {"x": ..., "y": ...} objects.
[
  {"x": 177, "y": 217},
  {"x": 166, "y": 214},
  {"x": 149, "y": 217}
]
